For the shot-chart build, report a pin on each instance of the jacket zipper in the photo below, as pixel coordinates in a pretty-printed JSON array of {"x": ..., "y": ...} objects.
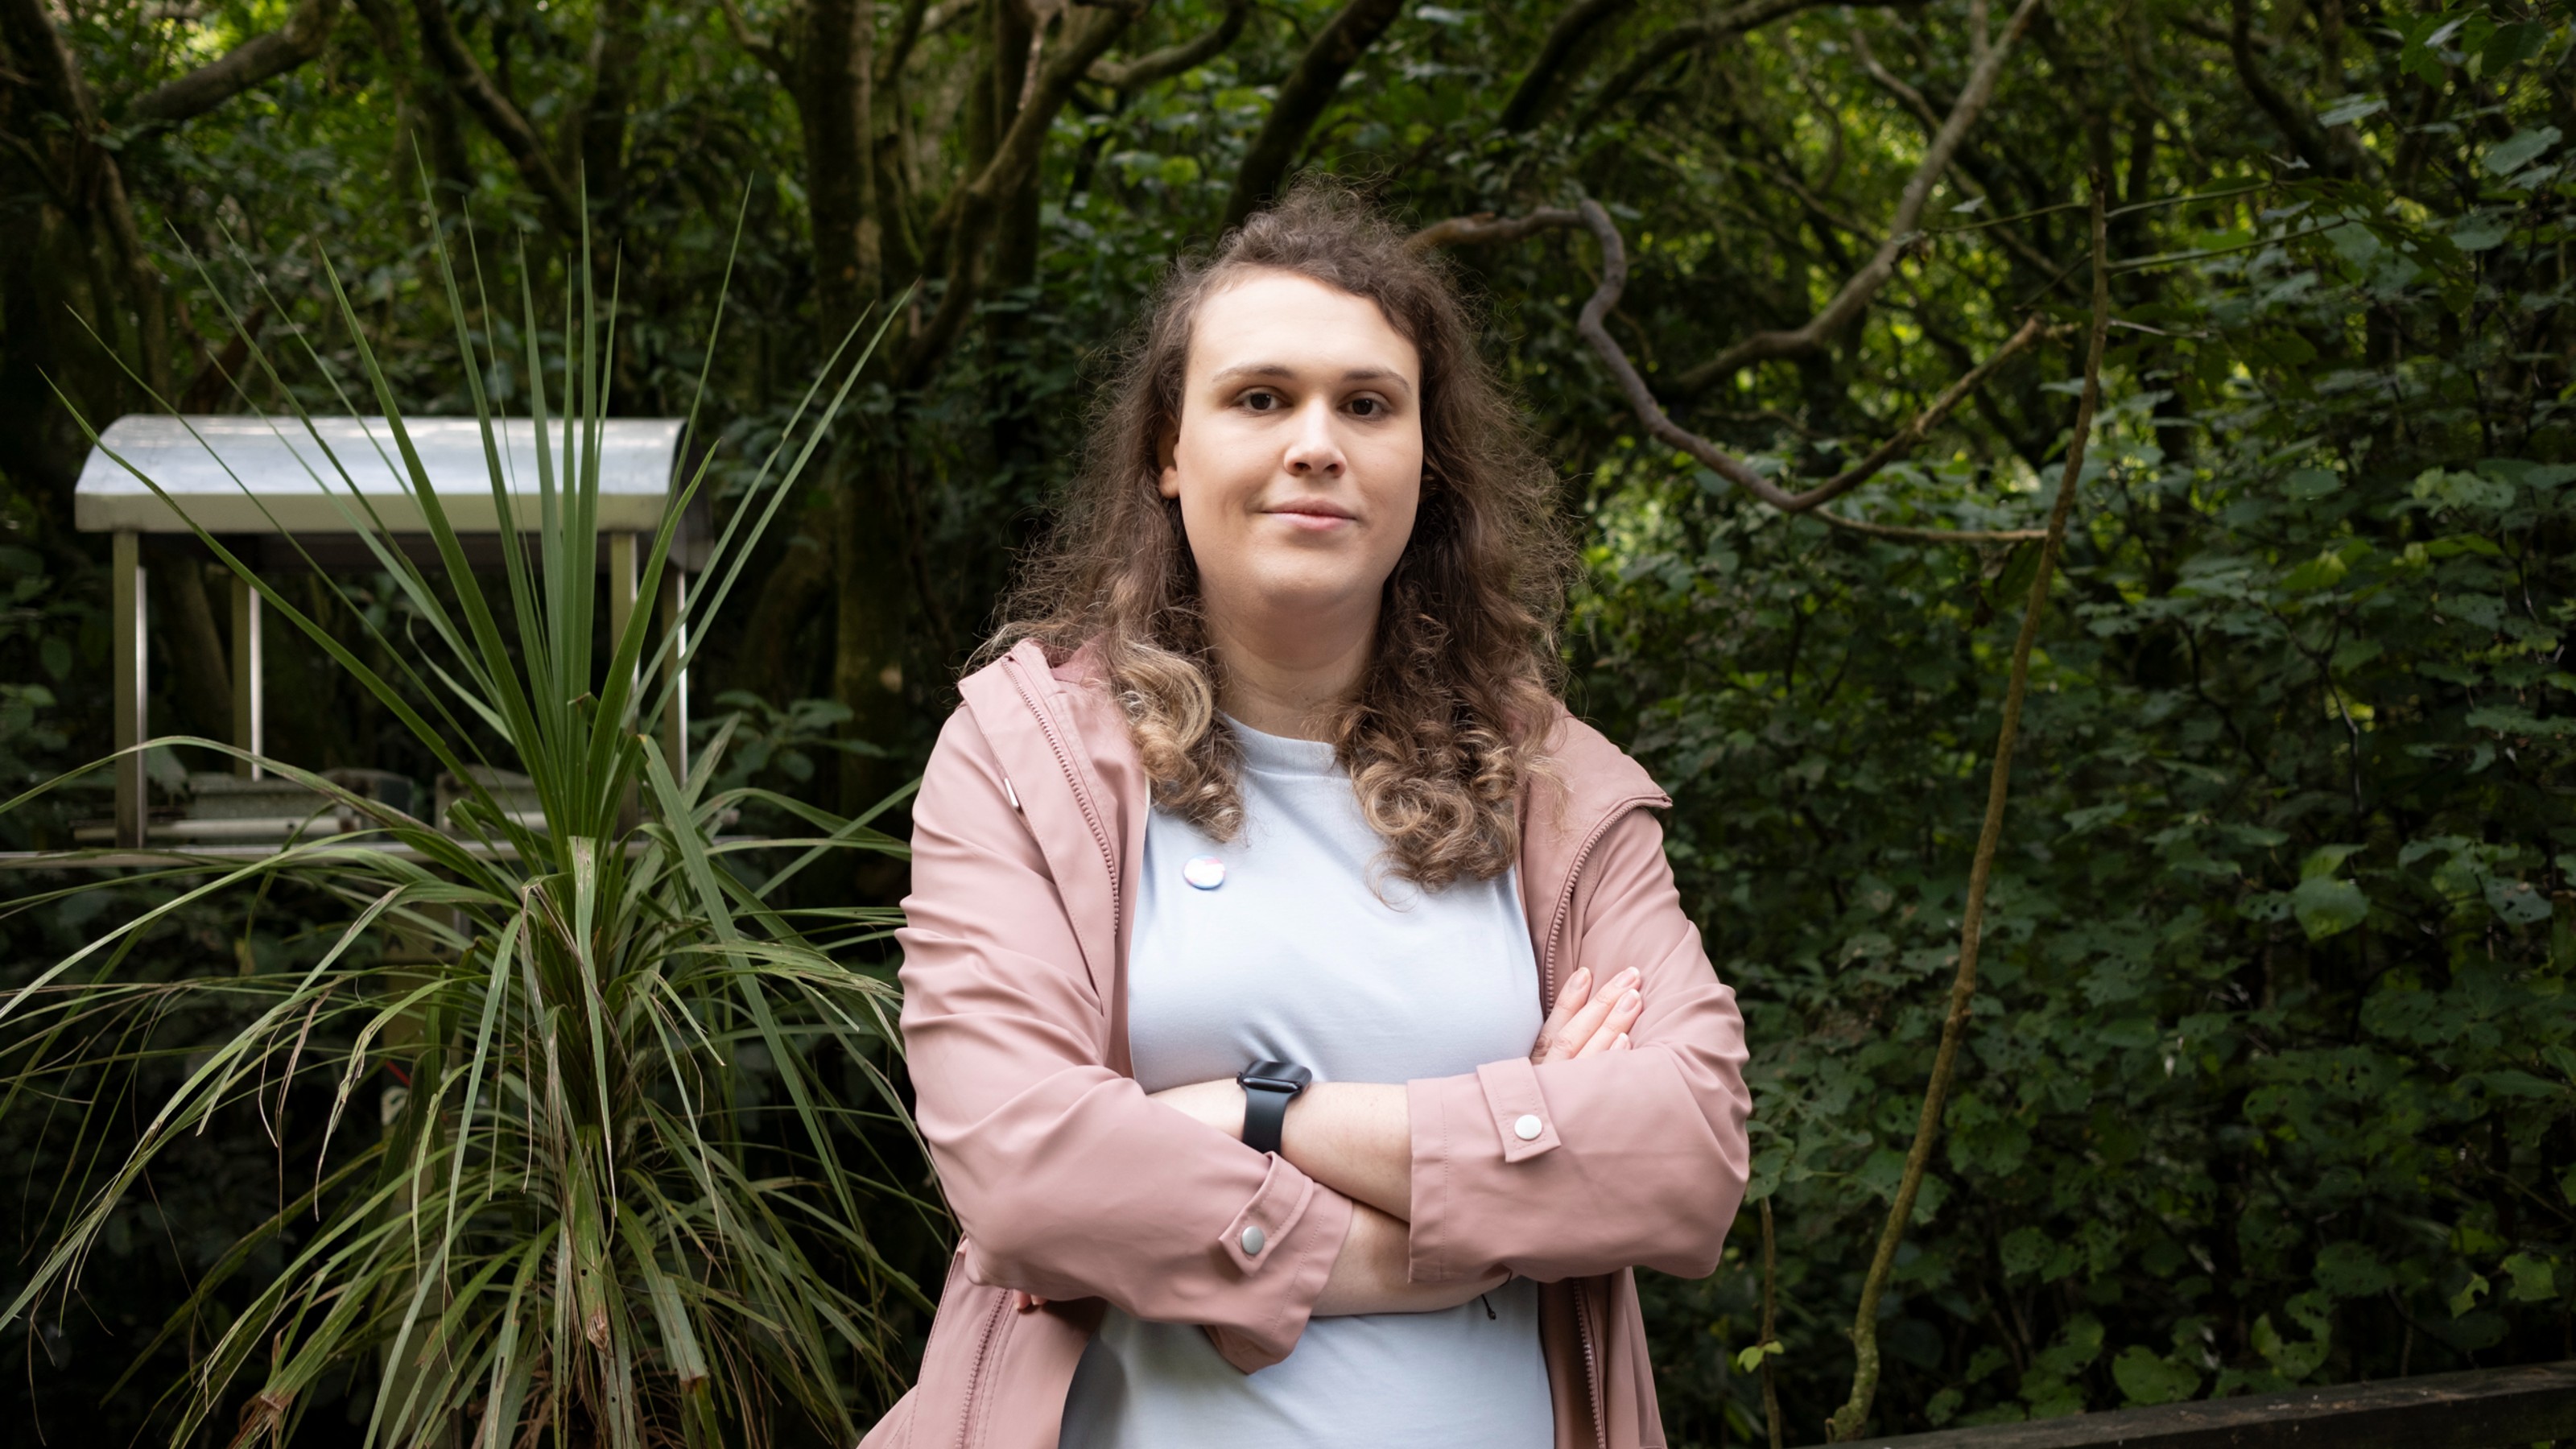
[
  {"x": 1574, "y": 877},
  {"x": 1592, "y": 1366},
  {"x": 1081, "y": 796},
  {"x": 975, "y": 1376},
  {"x": 1555, "y": 930}
]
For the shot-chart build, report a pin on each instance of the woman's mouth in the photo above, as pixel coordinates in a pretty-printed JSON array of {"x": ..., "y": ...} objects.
[{"x": 1312, "y": 514}]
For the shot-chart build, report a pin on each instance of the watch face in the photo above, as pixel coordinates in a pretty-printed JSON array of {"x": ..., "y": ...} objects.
[{"x": 1282, "y": 1076}]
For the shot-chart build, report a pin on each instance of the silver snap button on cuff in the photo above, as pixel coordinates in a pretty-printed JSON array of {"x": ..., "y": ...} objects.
[
  {"x": 1254, "y": 1240},
  {"x": 1528, "y": 1128}
]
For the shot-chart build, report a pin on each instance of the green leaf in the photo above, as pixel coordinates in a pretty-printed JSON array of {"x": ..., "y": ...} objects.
[
  {"x": 2352, "y": 1270},
  {"x": 1751, "y": 1359},
  {"x": 2355, "y": 243},
  {"x": 2148, "y": 1378},
  {"x": 2535, "y": 1277},
  {"x": 2516, "y": 902},
  {"x": 2513, "y": 1082},
  {"x": 2480, "y": 231},
  {"x": 2469, "y": 1294},
  {"x": 2344, "y": 113},
  {"x": 2313, "y": 482},
  {"x": 2506, "y": 720},
  {"x": 2093, "y": 817},
  {"x": 2509, "y": 156},
  {"x": 2459, "y": 489},
  {"x": 2324, "y": 860},
  {"x": 2327, "y": 907},
  {"x": 2292, "y": 1361},
  {"x": 2012, "y": 587},
  {"x": 2324, "y": 571},
  {"x": 2024, "y": 1251}
]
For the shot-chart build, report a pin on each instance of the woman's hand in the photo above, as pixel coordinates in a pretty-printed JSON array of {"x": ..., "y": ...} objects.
[
  {"x": 1585, "y": 1023},
  {"x": 1370, "y": 1273}
]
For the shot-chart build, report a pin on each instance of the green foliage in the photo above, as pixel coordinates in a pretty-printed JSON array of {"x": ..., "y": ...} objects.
[{"x": 2273, "y": 1072}]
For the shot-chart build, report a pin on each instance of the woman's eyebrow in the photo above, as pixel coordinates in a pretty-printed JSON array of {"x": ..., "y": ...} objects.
[{"x": 1284, "y": 371}]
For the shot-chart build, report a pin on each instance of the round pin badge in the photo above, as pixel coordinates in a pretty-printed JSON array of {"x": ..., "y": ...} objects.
[{"x": 1204, "y": 871}]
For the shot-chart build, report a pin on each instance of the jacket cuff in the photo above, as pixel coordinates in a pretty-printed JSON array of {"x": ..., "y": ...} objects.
[
  {"x": 1286, "y": 1238},
  {"x": 1514, "y": 1104},
  {"x": 1461, "y": 1125}
]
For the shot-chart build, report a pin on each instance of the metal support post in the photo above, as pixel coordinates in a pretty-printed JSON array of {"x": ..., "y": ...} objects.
[
  {"x": 675, "y": 628},
  {"x": 249, "y": 694},
  {"x": 621, "y": 585},
  {"x": 621, "y": 609},
  {"x": 131, "y": 688}
]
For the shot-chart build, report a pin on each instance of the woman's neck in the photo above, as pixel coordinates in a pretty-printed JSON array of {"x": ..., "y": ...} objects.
[{"x": 1287, "y": 680}]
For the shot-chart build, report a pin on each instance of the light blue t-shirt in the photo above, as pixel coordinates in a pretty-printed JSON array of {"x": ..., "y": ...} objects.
[{"x": 1309, "y": 951}]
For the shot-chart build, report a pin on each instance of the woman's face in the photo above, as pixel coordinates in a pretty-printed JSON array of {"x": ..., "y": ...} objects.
[{"x": 1298, "y": 460}]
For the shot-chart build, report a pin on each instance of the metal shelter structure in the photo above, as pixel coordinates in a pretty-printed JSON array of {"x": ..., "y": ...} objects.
[{"x": 253, "y": 482}]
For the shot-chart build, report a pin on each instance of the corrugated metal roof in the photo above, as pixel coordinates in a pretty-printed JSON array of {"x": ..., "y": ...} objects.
[{"x": 245, "y": 475}]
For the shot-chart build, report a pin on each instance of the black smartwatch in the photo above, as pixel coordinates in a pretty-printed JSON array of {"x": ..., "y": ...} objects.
[{"x": 1268, "y": 1087}]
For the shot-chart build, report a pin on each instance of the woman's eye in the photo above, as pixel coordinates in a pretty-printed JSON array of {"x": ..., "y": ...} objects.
[
  {"x": 1261, "y": 402},
  {"x": 1368, "y": 407}
]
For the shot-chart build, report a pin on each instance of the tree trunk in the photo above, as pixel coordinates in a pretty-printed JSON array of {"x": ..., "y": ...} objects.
[
  {"x": 870, "y": 621},
  {"x": 834, "y": 104}
]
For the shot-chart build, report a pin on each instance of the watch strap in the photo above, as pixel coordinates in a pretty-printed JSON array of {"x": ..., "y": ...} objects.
[{"x": 1265, "y": 1110}]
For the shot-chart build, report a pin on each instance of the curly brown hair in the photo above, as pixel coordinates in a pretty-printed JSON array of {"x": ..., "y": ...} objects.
[{"x": 1449, "y": 716}]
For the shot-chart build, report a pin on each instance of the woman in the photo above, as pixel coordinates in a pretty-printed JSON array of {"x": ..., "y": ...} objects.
[{"x": 1306, "y": 1029}]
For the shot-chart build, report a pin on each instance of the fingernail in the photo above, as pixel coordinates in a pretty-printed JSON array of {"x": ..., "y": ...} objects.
[
  {"x": 1631, "y": 976},
  {"x": 1621, "y": 1044},
  {"x": 1630, "y": 1001},
  {"x": 1579, "y": 980}
]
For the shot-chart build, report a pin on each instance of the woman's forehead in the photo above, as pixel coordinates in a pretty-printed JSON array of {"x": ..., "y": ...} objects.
[{"x": 1290, "y": 326}]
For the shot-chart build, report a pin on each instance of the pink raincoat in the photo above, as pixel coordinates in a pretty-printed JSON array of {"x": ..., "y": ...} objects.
[{"x": 1075, "y": 1188}]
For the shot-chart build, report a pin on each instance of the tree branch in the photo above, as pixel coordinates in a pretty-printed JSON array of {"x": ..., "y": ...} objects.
[
  {"x": 1848, "y": 1420},
  {"x": 979, "y": 202},
  {"x": 260, "y": 58},
  {"x": 1556, "y": 55},
  {"x": 1171, "y": 60},
  {"x": 1913, "y": 100},
  {"x": 1302, "y": 99},
  {"x": 1484, "y": 227},
  {"x": 1682, "y": 39},
  {"x": 1848, "y": 303},
  {"x": 1658, "y": 423},
  {"x": 754, "y": 44},
  {"x": 474, "y": 87}
]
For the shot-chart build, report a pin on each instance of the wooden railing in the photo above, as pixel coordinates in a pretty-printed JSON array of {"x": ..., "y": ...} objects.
[{"x": 2478, "y": 1409}]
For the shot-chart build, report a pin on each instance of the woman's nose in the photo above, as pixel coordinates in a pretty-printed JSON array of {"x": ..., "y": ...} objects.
[{"x": 1313, "y": 449}]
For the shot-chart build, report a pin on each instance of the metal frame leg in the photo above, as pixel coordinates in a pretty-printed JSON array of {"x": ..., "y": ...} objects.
[
  {"x": 133, "y": 682},
  {"x": 675, "y": 625},
  {"x": 621, "y": 584},
  {"x": 250, "y": 723},
  {"x": 621, "y": 609}
]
